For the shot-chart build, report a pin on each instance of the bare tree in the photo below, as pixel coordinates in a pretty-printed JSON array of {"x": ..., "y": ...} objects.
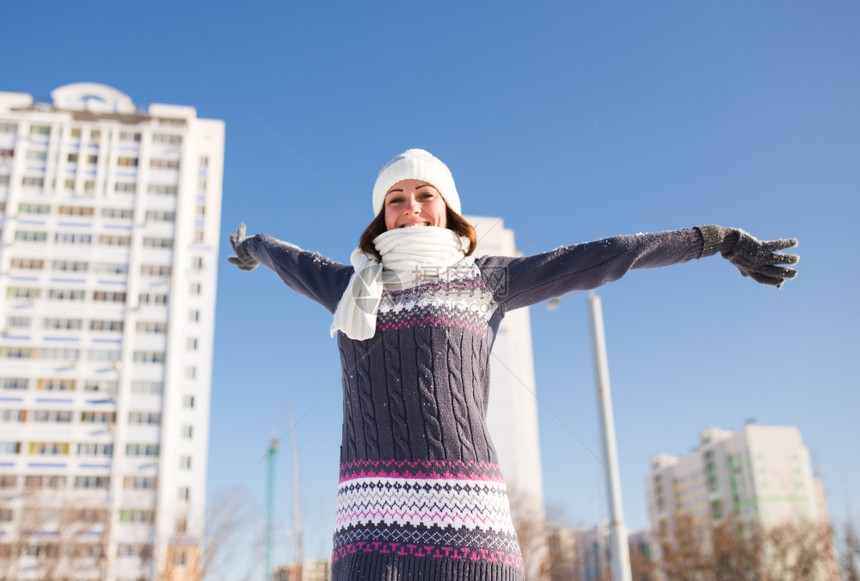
[
  {"x": 222, "y": 553},
  {"x": 850, "y": 554}
]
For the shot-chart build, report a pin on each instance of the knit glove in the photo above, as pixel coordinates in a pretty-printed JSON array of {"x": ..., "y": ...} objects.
[
  {"x": 243, "y": 258},
  {"x": 754, "y": 258}
]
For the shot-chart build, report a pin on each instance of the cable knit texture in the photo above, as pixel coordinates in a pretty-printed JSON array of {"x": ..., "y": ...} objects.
[{"x": 421, "y": 495}]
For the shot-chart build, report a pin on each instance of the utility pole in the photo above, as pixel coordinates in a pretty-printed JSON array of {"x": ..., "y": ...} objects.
[
  {"x": 270, "y": 502},
  {"x": 617, "y": 530},
  {"x": 298, "y": 533}
]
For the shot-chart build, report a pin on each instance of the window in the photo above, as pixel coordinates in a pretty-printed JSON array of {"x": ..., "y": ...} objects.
[
  {"x": 95, "y": 134},
  {"x": 140, "y": 482},
  {"x": 40, "y": 129},
  {"x": 75, "y": 211},
  {"x": 92, "y": 159},
  {"x": 200, "y": 211},
  {"x": 29, "y": 236},
  {"x": 64, "y": 294},
  {"x": 14, "y": 383},
  {"x": 65, "y": 324},
  {"x": 72, "y": 158},
  {"x": 151, "y": 327},
  {"x": 162, "y": 190},
  {"x": 98, "y": 417},
  {"x": 73, "y": 238},
  {"x": 93, "y": 385},
  {"x": 197, "y": 262},
  {"x": 158, "y": 242},
  {"x": 160, "y": 216},
  {"x": 8, "y": 481},
  {"x": 125, "y": 187},
  {"x": 148, "y": 418},
  {"x": 52, "y": 416},
  {"x": 193, "y": 316},
  {"x": 16, "y": 352},
  {"x": 149, "y": 357},
  {"x": 12, "y": 416},
  {"x": 37, "y": 156},
  {"x": 199, "y": 236},
  {"x": 179, "y": 555},
  {"x": 129, "y": 136},
  {"x": 195, "y": 288},
  {"x": 25, "y": 208},
  {"x": 103, "y": 355},
  {"x": 188, "y": 432},
  {"x": 112, "y": 268},
  {"x": 121, "y": 213},
  {"x": 164, "y": 163},
  {"x": 167, "y": 139},
  {"x": 50, "y": 384},
  {"x": 152, "y": 299},
  {"x": 8, "y": 128},
  {"x": 69, "y": 184},
  {"x": 191, "y": 344},
  {"x": 75, "y": 132},
  {"x": 188, "y": 401},
  {"x": 44, "y": 481},
  {"x": 156, "y": 269},
  {"x": 126, "y": 161},
  {"x": 106, "y": 325},
  {"x": 59, "y": 354},
  {"x": 190, "y": 372},
  {"x": 18, "y": 322},
  {"x": 184, "y": 495},
  {"x": 137, "y": 516},
  {"x": 10, "y": 447},
  {"x": 49, "y": 448},
  {"x": 32, "y": 182},
  {"x": 17, "y": 292},
  {"x": 114, "y": 240},
  {"x": 154, "y": 387},
  {"x": 142, "y": 449},
  {"x": 70, "y": 266},
  {"x": 94, "y": 449},
  {"x": 28, "y": 263},
  {"x": 185, "y": 462}
]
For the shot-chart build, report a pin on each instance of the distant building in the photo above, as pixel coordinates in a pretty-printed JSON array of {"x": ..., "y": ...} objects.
[
  {"x": 512, "y": 416},
  {"x": 760, "y": 475},
  {"x": 110, "y": 231},
  {"x": 585, "y": 554},
  {"x": 760, "y": 471},
  {"x": 307, "y": 571}
]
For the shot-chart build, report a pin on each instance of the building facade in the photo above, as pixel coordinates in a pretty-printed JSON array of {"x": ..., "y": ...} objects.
[
  {"x": 108, "y": 261},
  {"x": 760, "y": 476}
]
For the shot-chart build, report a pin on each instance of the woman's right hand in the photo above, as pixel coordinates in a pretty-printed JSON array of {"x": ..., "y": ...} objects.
[{"x": 243, "y": 258}]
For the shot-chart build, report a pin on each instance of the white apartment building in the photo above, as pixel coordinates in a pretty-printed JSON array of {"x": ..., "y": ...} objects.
[
  {"x": 108, "y": 260},
  {"x": 512, "y": 415},
  {"x": 760, "y": 472}
]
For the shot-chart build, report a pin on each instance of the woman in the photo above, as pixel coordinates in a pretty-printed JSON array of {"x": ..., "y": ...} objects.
[{"x": 415, "y": 314}]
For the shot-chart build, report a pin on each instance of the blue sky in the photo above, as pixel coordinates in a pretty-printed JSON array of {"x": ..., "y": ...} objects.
[{"x": 736, "y": 113}]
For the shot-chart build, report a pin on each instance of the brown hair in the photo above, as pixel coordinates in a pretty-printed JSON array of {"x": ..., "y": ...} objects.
[{"x": 455, "y": 222}]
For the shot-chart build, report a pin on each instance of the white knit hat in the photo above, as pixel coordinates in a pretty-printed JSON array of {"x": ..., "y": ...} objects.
[{"x": 416, "y": 164}]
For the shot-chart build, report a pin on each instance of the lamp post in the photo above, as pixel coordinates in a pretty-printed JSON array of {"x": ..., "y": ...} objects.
[{"x": 617, "y": 530}]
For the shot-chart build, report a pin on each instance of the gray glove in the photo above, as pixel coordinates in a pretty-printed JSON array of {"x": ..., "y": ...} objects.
[
  {"x": 243, "y": 258},
  {"x": 754, "y": 258}
]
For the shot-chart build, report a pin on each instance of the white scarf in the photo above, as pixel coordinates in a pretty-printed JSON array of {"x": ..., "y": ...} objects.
[{"x": 409, "y": 257}]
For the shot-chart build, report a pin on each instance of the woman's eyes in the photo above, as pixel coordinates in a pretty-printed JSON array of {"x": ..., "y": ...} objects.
[{"x": 422, "y": 196}]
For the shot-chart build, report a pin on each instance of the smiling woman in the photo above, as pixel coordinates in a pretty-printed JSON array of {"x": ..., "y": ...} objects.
[{"x": 421, "y": 495}]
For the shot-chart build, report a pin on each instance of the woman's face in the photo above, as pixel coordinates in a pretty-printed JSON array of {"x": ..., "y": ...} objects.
[{"x": 413, "y": 203}]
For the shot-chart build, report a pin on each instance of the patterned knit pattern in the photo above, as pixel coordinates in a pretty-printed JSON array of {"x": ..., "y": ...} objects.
[{"x": 420, "y": 494}]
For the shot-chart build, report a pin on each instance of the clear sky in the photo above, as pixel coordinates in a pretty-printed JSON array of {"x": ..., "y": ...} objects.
[{"x": 573, "y": 121}]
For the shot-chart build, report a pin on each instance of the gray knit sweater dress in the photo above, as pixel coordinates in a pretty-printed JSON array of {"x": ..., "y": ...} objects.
[{"x": 421, "y": 495}]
